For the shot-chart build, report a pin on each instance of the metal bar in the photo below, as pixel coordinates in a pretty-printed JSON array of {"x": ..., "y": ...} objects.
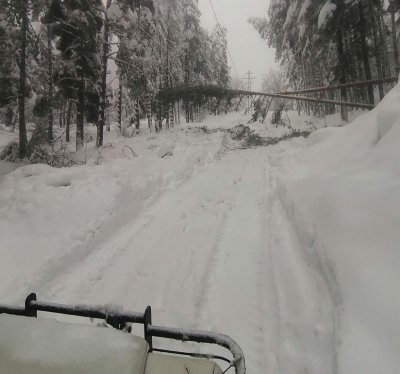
[
  {"x": 10, "y": 309},
  {"x": 197, "y": 355},
  {"x": 147, "y": 323},
  {"x": 203, "y": 337},
  {"x": 101, "y": 312},
  {"x": 30, "y": 311},
  {"x": 345, "y": 85},
  {"x": 32, "y": 306}
]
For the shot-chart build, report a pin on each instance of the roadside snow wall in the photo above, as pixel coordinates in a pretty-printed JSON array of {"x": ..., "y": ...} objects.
[{"x": 342, "y": 195}]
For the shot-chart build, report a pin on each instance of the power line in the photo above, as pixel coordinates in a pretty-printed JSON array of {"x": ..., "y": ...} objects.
[{"x": 227, "y": 47}]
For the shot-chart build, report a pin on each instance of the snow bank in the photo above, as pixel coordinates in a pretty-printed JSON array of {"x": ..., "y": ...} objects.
[
  {"x": 343, "y": 197},
  {"x": 41, "y": 346},
  {"x": 52, "y": 219},
  {"x": 7, "y": 137}
]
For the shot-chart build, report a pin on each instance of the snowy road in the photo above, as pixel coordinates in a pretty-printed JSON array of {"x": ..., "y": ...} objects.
[
  {"x": 216, "y": 253},
  {"x": 291, "y": 249}
]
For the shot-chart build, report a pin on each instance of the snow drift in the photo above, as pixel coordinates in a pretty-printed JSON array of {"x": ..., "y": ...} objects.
[
  {"x": 343, "y": 196},
  {"x": 52, "y": 219}
]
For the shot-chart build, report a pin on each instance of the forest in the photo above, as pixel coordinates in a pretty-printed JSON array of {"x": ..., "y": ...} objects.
[
  {"x": 91, "y": 60},
  {"x": 326, "y": 42},
  {"x": 99, "y": 62}
]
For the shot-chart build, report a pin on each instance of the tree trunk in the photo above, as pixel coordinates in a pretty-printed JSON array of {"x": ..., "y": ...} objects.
[
  {"x": 120, "y": 104},
  {"x": 364, "y": 50},
  {"x": 342, "y": 66},
  {"x": 377, "y": 48},
  {"x": 103, "y": 94},
  {"x": 167, "y": 83},
  {"x": 171, "y": 114},
  {"x": 159, "y": 116},
  {"x": 9, "y": 115},
  {"x": 64, "y": 109},
  {"x": 361, "y": 96},
  {"x": 306, "y": 104},
  {"x": 68, "y": 121},
  {"x": 167, "y": 117},
  {"x": 394, "y": 39},
  {"x": 186, "y": 106},
  {"x": 191, "y": 115},
  {"x": 386, "y": 71},
  {"x": 23, "y": 138},
  {"x": 50, "y": 87},
  {"x": 149, "y": 114},
  {"x": 80, "y": 114},
  {"x": 137, "y": 113}
]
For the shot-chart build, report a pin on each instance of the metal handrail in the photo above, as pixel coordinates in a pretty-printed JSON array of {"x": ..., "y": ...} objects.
[
  {"x": 119, "y": 318},
  {"x": 203, "y": 337}
]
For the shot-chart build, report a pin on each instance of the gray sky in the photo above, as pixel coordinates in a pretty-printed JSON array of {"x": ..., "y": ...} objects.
[{"x": 249, "y": 52}]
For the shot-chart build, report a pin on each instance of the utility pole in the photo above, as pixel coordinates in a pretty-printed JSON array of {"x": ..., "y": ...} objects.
[{"x": 249, "y": 78}]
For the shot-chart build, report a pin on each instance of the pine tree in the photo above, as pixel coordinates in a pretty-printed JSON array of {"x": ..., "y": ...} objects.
[
  {"x": 9, "y": 72},
  {"x": 52, "y": 15},
  {"x": 17, "y": 12},
  {"x": 78, "y": 28},
  {"x": 332, "y": 41}
]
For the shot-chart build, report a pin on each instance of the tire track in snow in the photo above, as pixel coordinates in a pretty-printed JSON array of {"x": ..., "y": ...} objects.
[
  {"x": 271, "y": 320},
  {"x": 261, "y": 291},
  {"x": 219, "y": 195},
  {"x": 306, "y": 323},
  {"x": 238, "y": 292},
  {"x": 210, "y": 267},
  {"x": 180, "y": 231}
]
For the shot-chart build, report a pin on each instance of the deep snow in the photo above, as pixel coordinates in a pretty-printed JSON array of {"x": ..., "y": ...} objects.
[
  {"x": 343, "y": 194},
  {"x": 290, "y": 249}
]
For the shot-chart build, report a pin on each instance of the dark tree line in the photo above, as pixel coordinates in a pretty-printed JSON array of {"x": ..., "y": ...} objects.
[
  {"x": 326, "y": 42},
  {"x": 59, "y": 59}
]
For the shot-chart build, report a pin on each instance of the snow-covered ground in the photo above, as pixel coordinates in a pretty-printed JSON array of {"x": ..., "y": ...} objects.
[
  {"x": 290, "y": 249},
  {"x": 343, "y": 196}
]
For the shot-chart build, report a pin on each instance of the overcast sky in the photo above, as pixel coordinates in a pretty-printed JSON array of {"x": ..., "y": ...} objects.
[{"x": 249, "y": 52}]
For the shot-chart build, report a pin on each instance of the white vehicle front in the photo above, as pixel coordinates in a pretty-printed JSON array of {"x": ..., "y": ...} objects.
[{"x": 30, "y": 345}]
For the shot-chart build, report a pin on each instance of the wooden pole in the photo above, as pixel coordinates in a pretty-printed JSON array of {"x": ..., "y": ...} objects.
[
  {"x": 340, "y": 86},
  {"x": 212, "y": 90}
]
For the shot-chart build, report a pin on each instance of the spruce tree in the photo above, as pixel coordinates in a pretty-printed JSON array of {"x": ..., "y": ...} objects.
[{"x": 78, "y": 28}]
